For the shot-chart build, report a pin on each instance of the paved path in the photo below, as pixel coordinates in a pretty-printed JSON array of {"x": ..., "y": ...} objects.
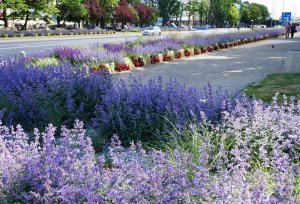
[{"x": 231, "y": 69}]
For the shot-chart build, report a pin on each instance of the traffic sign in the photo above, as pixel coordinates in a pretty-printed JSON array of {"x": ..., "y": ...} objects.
[{"x": 286, "y": 16}]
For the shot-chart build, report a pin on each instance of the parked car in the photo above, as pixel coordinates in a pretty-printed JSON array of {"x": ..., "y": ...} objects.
[
  {"x": 43, "y": 28},
  {"x": 90, "y": 27},
  {"x": 259, "y": 26},
  {"x": 152, "y": 31}
]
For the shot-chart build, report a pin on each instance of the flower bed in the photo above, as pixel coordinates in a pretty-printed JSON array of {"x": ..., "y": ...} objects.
[
  {"x": 154, "y": 51},
  {"x": 251, "y": 157},
  {"x": 34, "y": 33}
]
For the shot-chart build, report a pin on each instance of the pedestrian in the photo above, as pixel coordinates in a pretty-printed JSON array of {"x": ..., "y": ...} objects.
[
  {"x": 288, "y": 30},
  {"x": 293, "y": 30}
]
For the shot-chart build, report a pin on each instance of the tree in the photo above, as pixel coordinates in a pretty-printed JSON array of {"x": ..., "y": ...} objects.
[
  {"x": 219, "y": 10},
  {"x": 233, "y": 16},
  {"x": 152, "y": 3},
  {"x": 132, "y": 2},
  {"x": 145, "y": 13},
  {"x": 39, "y": 6},
  {"x": 255, "y": 13},
  {"x": 95, "y": 12},
  {"x": 168, "y": 8},
  {"x": 203, "y": 8},
  {"x": 245, "y": 17},
  {"x": 72, "y": 10},
  {"x": 124, "y": 13},
  {"x": 12, "y": 5},
  {"x": 109, "y": 7},
  {"x": 191, "y": 8},
  {"x": 264, "y": 12}
]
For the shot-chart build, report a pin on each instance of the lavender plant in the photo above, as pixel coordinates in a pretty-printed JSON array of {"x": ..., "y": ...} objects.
[
  {"x": 33, "y": 96},
  {"x": 67, "y": 170},
  {"x": 137, "y": 111}
]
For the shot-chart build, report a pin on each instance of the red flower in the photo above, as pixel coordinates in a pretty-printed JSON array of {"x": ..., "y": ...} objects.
[
  {"x": 122, "y": 67},
  {"x": 138, "y": 62},
  {"x": 166, "y": 57},
  {"x": 154, "y": 59},
  {"x": 178, "y": 55},
  {"x": 187, "y": 53}
]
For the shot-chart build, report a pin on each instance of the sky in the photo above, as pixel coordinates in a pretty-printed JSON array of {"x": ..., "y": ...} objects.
[{"x": 275, "y": 6}]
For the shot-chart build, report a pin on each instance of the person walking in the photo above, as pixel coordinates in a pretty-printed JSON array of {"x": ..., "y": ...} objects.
[
  {"x": 288, "y": 30},
  {"x": 293, "y": 30}
]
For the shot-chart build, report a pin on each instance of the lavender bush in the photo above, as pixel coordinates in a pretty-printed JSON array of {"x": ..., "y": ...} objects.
[
  {"x": 137, "y": 111},
  {"x": 68, "y": 171},
  {"x": 34, "y": 96}
]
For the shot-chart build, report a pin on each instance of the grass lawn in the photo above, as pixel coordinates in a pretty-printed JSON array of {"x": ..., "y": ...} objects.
[{"x": 283, "y": 83}]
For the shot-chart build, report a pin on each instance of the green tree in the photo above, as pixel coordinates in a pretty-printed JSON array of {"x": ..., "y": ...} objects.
[
  {"x": 255, "y": 14},
  {"x": 219, "y": 10},
  {"x": 40, "y": 7},
  {"x": 203, "y": 8},
  {"x": 108, "y": 6},
  {"x": 233, "y": 16},
  {"x": 264, "y": 12},
  {"x": 72, "y": 10},
  {"x": 245, "y": 17},
  {"x": 132, "y": 2},
  {"x": 191, "y": 8},
  {"x": 168, "y": 8},
  {"x": 152, "y": 3},
  {"x": 12, "y": 5}
]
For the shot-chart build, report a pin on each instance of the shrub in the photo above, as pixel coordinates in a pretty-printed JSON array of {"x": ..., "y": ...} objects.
[
  {"x": 34, "y": 96},
  {"x": 140, "y": 112},
  {"x": 68, "y": 171}
]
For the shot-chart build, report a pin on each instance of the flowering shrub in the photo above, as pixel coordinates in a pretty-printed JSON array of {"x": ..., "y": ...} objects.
[
  {"x": 35, "y": 96},
  {"x": 67, "y": 170},
  {"x": 144, "y": 112}
]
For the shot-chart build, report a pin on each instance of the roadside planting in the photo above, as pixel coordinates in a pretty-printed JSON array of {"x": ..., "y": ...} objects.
[
  {"x": 118, "y": 57},
  {"x": 71, "y": 132}
]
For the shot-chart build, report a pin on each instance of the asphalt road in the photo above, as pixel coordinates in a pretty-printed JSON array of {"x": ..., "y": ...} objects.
[{"x": 10, "y": 47}]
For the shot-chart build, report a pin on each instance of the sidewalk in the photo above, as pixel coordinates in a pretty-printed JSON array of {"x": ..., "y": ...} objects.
[{"x": 232, "y": 69}]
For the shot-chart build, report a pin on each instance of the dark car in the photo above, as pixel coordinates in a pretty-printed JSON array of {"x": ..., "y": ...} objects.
[{"x": 90, "y": 27}]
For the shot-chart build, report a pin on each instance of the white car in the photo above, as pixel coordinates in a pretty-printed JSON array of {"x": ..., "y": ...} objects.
[{"x": 152, "y": 31}]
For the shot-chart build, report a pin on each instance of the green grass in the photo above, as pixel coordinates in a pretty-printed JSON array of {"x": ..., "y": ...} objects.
[{"x": 284, "y": 83}]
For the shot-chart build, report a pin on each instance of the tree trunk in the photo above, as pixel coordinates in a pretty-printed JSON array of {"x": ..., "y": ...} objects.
[
  {"x": 24, "y": 27},
  {"x": 58, "y": 22},
  {"x": 5, "y": 18},
  {"x": 102, "y": 22}
]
